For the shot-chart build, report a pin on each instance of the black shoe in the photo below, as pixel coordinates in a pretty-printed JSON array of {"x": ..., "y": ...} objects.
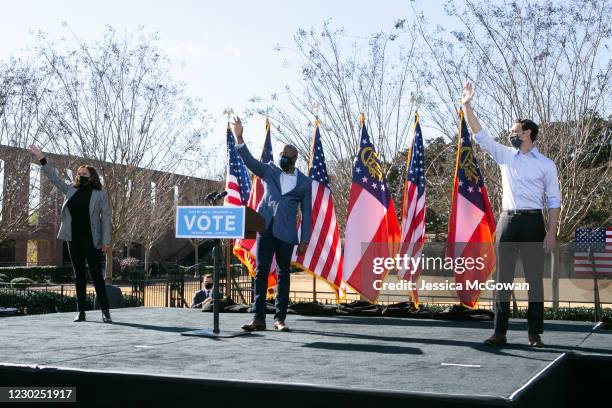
[
  {"x": 255, "y": 325},
  {"x": 496, "y": 340},
  {"x": 535, "y": 341},
  {"x": 281, "y": 326},
  {"x": 106, "y": 316},
  {"x": 80, "y": 317}
]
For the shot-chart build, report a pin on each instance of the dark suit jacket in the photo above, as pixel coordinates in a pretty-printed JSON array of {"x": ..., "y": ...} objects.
[
  {"x": 99, "y": 210},
  {"x": 281, "y": 207},
  {"x": 200, "y": 296}
]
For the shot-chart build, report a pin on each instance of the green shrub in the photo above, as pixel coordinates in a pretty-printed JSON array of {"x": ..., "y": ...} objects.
[
  {"x": 40, "y": 302},
  {"x": 130, "y": 301},
  {"x": 577, "y": 314},
  {"x": 56, "y": 274}
]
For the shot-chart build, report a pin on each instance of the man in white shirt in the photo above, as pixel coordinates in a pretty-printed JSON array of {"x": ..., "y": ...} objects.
[
  {"x": 286, "y": 190},
  {"x": 527, "y": 177}
]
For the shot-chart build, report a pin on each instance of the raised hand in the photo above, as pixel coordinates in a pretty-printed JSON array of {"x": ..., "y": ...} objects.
[
  {"x": 468, "y": 93},
  {"x": 36, "y": 151},
  {"x": 237, "y": 124}
]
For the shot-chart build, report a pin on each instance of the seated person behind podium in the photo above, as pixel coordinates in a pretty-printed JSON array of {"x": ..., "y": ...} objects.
[
  {"x": 204, "y": 296},
  {"x": 286, "y": 188}
]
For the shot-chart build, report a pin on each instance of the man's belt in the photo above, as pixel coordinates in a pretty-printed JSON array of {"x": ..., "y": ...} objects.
[{"x": 522, "y": 212}]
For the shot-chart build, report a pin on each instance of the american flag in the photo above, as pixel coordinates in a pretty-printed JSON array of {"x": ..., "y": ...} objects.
[
  {"x": 323, "y": 256},
  {"x": 372, "y": 230},
  {"x": 471, "y": 228},
  {"x": 413, "y": 206},
  {"x": 237, "y": 182},
  {"x": 600, "y": 240},
  {"x": 245, "y": 249}
]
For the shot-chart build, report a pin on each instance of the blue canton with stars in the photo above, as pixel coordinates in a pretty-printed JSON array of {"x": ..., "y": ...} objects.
[
  {"x": 368, "y": 171},
  {"x": 590, "y": 237},
  {"x": 469, "y": 177},
  {"x": 266, "y": 153},
  {"x": 238, "y": 169},
  {"x": 416, "y": 166},
  {"x": 318, "y": 169}
]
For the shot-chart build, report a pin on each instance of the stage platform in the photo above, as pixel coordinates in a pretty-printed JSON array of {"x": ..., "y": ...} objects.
[{"x": 324, "y": 360}]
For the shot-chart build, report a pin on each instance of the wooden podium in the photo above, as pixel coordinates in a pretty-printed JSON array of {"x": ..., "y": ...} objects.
[{"x": 253, "y": 223}]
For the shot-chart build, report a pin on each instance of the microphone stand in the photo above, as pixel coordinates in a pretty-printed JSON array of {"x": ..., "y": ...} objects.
[{"x": 212, "y": 199}]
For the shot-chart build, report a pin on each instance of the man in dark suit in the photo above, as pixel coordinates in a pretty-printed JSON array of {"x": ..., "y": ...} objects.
[
  {"x": 204, "y": 296},
  {"x": 286, "y": 188}
]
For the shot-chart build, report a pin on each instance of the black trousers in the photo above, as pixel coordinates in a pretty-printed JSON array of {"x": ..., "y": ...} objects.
[
  {"x": 82, "y": 250},
  {"x": 521, "y": 235},
  {"x": 269, "y": 246}
]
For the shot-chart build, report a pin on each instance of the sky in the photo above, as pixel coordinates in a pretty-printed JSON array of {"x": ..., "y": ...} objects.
[{"x": 228, "y": 49}]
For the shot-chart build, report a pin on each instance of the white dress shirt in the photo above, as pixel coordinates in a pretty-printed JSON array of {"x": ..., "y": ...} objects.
[
  {"x": 526, "y": 177},
  {"x": 288, "y": 180}
]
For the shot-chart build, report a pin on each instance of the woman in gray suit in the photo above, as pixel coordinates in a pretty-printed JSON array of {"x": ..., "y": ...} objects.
[{"x": 86, "y": 227}]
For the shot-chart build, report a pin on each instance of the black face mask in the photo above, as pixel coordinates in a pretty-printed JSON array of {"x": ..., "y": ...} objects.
[
  {"x": 83, "y": 180},
  {"x": 286, "y": 162},
  {"x": 516, "y": 142},
  {"x": 208, "y": 286}
]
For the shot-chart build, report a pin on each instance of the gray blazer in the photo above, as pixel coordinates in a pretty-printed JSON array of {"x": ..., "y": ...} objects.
[
  {"x": 99, "y": 210},
  {"x": 281, "y": 207}
]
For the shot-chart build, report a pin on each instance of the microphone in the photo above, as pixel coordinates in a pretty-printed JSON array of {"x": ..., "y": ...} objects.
[
  {"x": 211, "y": 196},
  {"x": 220, "y": 195}
]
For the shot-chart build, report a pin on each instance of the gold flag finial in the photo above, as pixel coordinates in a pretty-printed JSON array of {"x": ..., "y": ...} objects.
[
  {"x": 228, "y": 112},
  {"x": 361, "y": 119}
]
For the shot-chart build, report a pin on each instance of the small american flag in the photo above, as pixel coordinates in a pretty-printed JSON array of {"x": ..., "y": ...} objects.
[
  {"x": 323, "y": 256},
  {"x": 600, "y": 240},
  {"x": 237, "y": 182},
  {"x": 413, "y": 205}
]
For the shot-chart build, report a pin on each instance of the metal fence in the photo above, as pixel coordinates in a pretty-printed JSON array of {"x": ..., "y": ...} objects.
[{"x": 177, "y": 291}]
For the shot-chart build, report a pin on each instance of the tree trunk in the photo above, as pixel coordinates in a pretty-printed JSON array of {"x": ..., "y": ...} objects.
[
  {"x": 109, "y": 261},
  {"x": 146, "y": 259}
]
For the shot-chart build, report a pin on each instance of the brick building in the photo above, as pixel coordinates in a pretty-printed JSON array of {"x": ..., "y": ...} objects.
[{"x": 33, "y": 238}]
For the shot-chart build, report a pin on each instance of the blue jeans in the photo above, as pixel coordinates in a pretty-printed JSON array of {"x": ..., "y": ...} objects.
[{"x": 267, "y": 247}]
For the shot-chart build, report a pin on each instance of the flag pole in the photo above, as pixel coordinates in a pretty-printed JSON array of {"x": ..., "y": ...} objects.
[
  {"x": 315, "y": 110},
  {"x": 361, "y": 123},
  {"x": 228, "y": 112}
]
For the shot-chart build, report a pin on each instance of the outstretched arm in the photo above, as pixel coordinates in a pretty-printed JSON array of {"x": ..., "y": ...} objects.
[
  {"x": 495, "y": 149},
  {"x": 49, "y": 170},
  {"x": 258, "y": 168}
]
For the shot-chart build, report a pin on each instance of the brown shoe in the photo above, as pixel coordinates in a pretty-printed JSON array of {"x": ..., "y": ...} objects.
[
  {"x": 254, "y": 325},
  {"x": 496, "y": 339},
  {"x": 535, "y": 341},
  {"x": 281, "y": 326}
]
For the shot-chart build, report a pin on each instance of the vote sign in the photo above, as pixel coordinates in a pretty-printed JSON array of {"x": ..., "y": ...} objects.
[{"x": 210, "y": 222}]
